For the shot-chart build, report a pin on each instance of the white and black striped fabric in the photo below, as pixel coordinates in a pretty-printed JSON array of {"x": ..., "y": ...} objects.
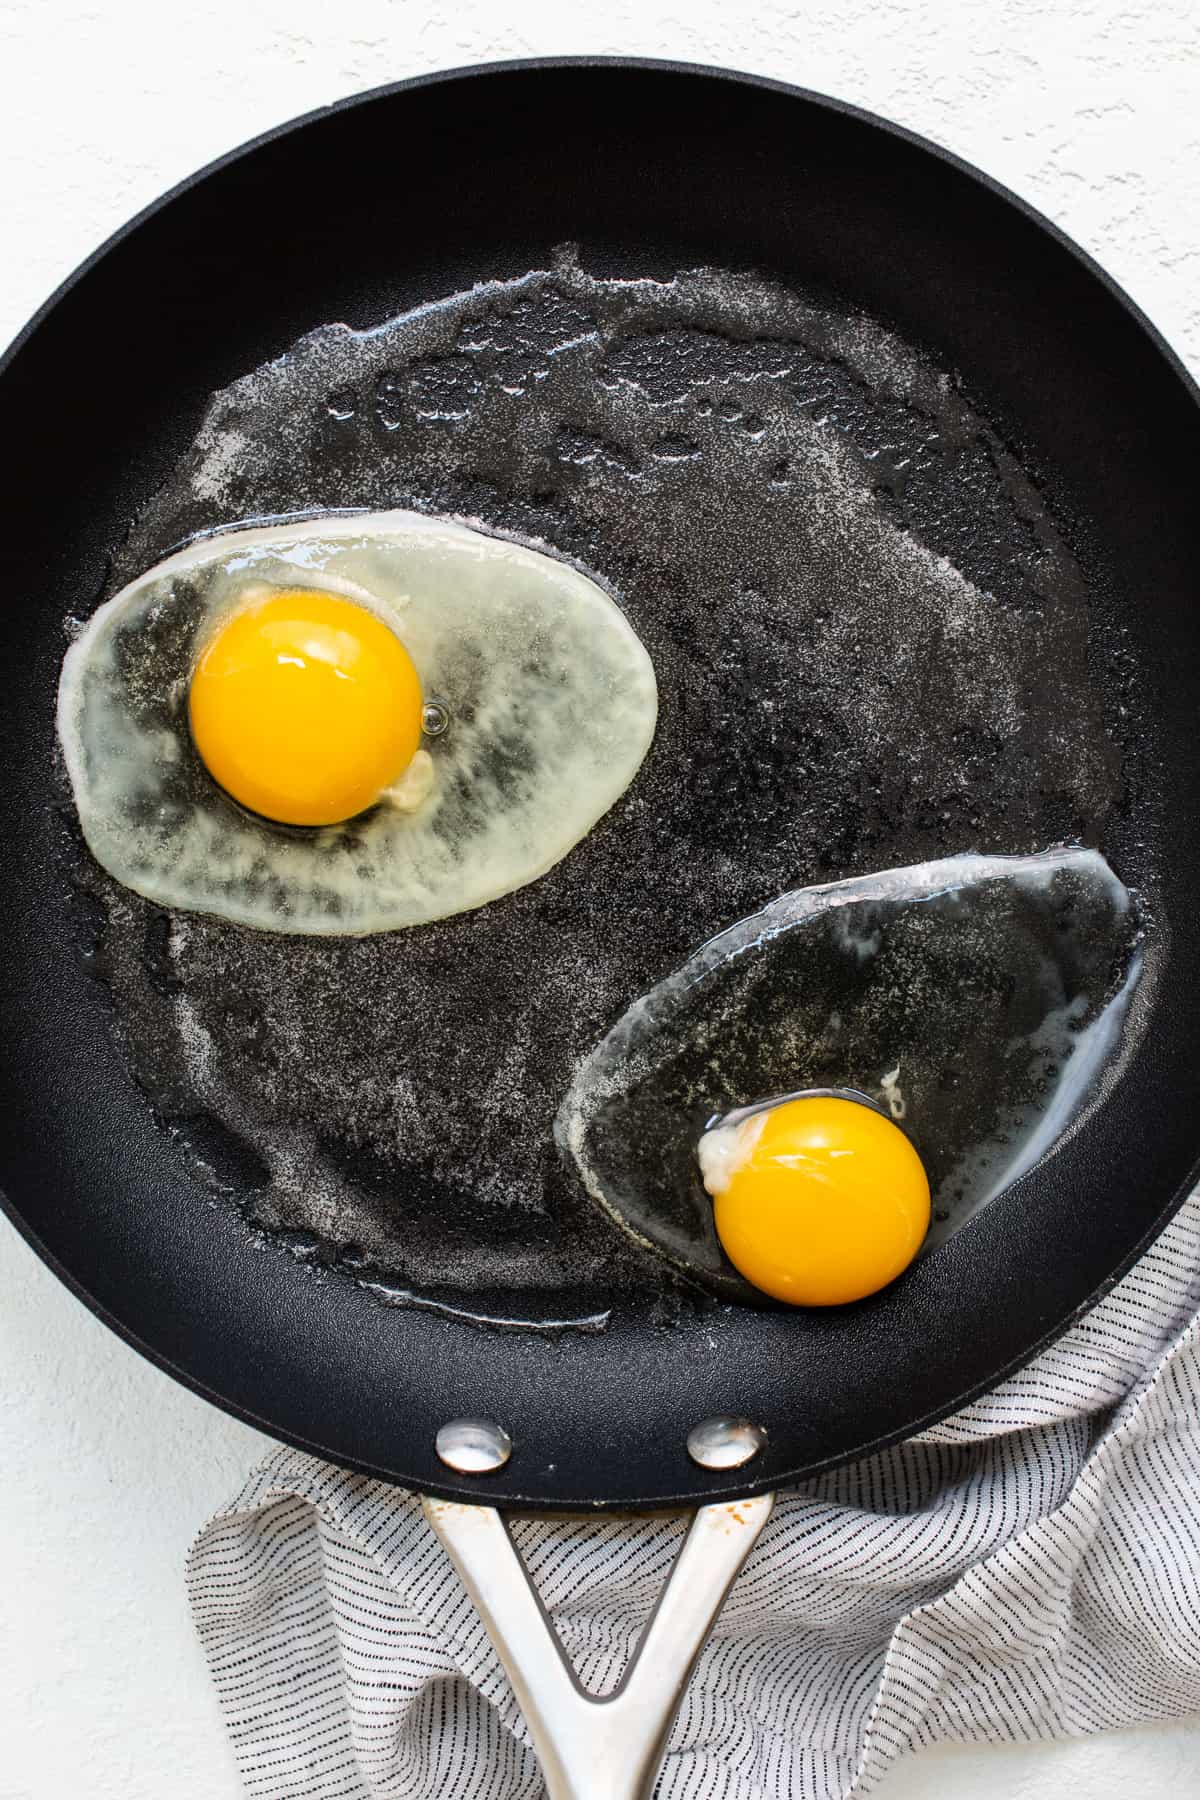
[{"x": 1027, "y": 1569}]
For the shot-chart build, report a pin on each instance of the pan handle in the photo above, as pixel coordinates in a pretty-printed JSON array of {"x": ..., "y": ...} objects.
[{"x": 609, "y": 1748}]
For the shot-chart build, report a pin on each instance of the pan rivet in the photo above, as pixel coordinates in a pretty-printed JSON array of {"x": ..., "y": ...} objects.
[
  {"x": 473, "y": 1446},
  {"x": 725, "y": 1443}
]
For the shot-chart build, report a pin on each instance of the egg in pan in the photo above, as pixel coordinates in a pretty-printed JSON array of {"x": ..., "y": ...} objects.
[
  {"x": 350, "y": 724},
  {"x": 779, "y": 1116}
]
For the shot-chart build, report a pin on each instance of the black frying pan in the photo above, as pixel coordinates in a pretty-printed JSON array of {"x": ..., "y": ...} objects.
[{"x": 406, "y": 195}]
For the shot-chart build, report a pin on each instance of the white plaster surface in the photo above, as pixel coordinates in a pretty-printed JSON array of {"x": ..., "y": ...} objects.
[{"x": 1089, "y": 108}]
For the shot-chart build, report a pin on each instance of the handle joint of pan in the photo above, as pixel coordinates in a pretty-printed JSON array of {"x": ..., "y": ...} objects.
[{"x": 590, "y": 1748}]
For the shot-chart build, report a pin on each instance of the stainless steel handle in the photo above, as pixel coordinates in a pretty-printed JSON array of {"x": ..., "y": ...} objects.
[{"x": 609, "y": 1748}]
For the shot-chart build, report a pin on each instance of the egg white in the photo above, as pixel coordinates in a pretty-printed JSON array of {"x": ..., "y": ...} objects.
[
  {"x": 551, "y": 697},
  {"x": 991, "y": 1086}
]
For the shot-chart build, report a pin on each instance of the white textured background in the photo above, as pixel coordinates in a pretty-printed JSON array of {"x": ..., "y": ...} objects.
[{"x": 1089, "y": 108}]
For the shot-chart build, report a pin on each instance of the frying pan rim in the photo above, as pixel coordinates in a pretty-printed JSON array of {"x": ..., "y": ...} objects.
[
  {"x": 736, "y": 1484},
  {"x": 472, "y": 1493},
  {"x": 651, "y": 65}
]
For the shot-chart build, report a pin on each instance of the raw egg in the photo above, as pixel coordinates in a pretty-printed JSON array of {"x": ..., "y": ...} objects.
[
  {"x": 818, "y": 1200},
  {"x": 413, "y": 718},
  {"x": 985, "y": 1003}
]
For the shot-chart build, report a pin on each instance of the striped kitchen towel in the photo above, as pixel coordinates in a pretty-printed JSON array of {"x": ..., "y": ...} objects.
[{"x": 1027, "y": 1569}]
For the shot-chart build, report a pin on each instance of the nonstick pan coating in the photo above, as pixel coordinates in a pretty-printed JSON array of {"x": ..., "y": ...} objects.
[{"x": 405, "y": 196}]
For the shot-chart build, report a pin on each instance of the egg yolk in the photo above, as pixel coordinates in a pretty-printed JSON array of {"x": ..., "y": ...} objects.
[
  {"x": 818, "y": 1200},
  {"x": 305, "y": 707}
]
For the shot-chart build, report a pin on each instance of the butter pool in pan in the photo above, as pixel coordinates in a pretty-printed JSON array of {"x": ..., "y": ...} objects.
[{"x": 872, "y": 645}]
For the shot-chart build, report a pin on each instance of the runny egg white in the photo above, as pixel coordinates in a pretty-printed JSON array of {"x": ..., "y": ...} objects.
[
  {"x": 742, "y": 1118},
  {"x": 350, "y": 724}
]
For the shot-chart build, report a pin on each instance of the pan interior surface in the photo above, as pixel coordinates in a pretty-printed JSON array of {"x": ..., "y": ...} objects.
[{"x": 836, "y": 240}]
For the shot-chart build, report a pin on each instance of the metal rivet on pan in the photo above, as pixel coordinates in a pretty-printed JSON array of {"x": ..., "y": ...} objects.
[
  {"x": 725, "y": 1443},
  {"x": 434, "y": 718},
  {"x": 473, "y": 1446}
]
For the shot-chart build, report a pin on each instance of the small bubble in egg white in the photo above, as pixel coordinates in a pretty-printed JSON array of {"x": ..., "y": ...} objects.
[{"x": 342, "y": 404}]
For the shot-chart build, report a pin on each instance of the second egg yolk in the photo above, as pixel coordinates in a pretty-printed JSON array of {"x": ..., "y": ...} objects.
[
  {"x": 305, "y": 707},
  {"x": 817, "y": 1201}
]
